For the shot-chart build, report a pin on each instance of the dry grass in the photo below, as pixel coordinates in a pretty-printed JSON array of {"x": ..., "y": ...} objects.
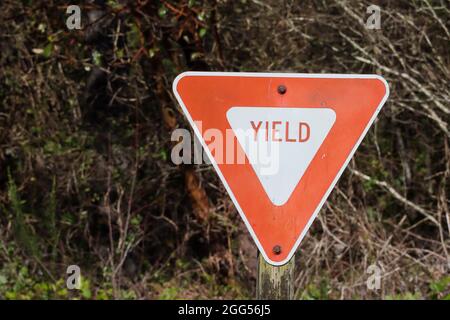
[{"x": 88, "y": 114}]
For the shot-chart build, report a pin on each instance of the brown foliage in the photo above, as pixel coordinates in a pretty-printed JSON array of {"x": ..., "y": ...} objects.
[{"x": 89, "y": 115}]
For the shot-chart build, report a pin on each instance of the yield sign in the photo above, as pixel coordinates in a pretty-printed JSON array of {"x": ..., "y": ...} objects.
[{"x": 296, "y": 134}]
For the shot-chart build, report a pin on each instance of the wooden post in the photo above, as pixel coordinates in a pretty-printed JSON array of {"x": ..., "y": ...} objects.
[{"x": 275, "y": 283}]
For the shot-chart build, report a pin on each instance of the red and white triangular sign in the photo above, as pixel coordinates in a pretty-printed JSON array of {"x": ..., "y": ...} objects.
[{"x": 296, "y": 132}]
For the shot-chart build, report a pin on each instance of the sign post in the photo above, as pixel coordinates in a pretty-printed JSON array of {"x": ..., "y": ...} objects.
[
  {"x": 296, "y": 132},
  {"x": 275, "y": 283}
]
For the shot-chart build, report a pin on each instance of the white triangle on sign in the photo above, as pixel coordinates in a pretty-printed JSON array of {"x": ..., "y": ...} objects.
[{"x": 280, "y": 143}]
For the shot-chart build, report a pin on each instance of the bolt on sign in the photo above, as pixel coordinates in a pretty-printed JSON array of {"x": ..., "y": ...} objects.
[{"x": 297, "y": 131}]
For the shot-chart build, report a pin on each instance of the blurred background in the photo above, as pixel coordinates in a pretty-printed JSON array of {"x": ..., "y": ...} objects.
[{"x": 86, "y": 177}]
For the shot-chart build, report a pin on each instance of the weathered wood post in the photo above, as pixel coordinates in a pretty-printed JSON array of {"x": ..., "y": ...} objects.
[{"x": 275, "y": 283}]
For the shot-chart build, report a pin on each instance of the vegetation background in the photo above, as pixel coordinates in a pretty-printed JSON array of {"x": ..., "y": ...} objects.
[{"x": 85, "y": 172}]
